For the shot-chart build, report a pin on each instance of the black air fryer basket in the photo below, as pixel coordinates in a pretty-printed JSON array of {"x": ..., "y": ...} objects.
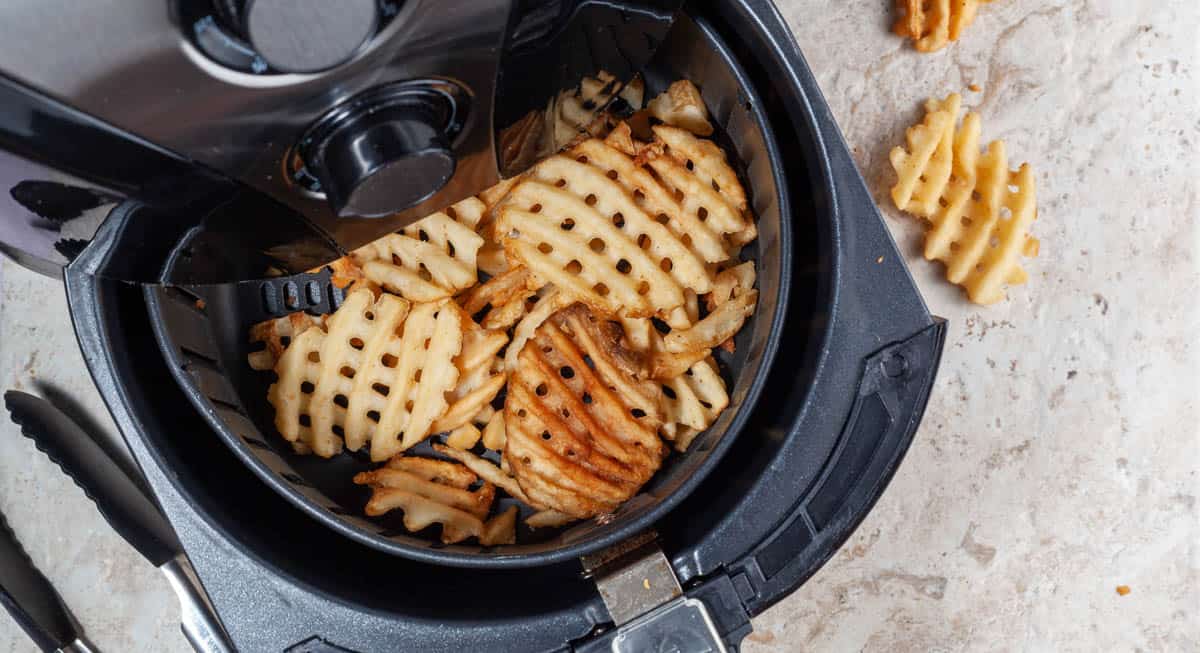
[
  {"x": 203, "y": 331},
  {"x": 828, "y": 386}
]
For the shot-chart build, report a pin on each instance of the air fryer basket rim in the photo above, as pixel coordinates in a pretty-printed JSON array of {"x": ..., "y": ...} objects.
[{"x": 624, "y": 526}]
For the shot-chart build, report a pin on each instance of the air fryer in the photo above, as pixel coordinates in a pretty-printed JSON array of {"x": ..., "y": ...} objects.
[{"x": 848, "y": 354}]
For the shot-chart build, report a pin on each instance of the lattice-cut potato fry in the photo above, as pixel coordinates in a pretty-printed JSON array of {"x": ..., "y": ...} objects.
[
  {"x": 431, "y": 492},
  {"x": 581, "y": 438},
  {"x": 699, "y": 397},
  {"x": 615, "y": 156},
  {"x": 366, "y": 381},
  {"x": 932, "y": 24},
  {"x": 730, "y": 283},
  {"x": 480, "y": 375},
  {"x": 576, "y": 227},
  {"x": 681, "y": 106},
  {"x": 716, "y": 327},
  {"x": 980, "y": 212},
  {"x": 276, "y": 335},
  {"x": 924, "y": 173},
  {"x": 464, "y": 437},
  {"x": 493, "y": 433},
  {"x": 505, "y": 294},
  {"x": 549, "y": 519},
  {"x": 431, "y": 259},
  {"x": 702, "y": 181},
  {"x": 548, "y": 303},
  {"x": 488, "y": 472}
]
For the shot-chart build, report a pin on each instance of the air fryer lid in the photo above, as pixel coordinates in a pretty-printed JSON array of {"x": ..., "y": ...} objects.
[{"x": 208, "y": 348}]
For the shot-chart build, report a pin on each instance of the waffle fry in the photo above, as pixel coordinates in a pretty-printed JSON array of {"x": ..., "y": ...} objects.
[
  {"x": 487, "y": 471},
  {"x": 549, "y": 519},
  {"x": 464, "y": 437},
  {"x": 695, "y": 400},
  {"x": 435, "y": 492},
  {"x": 577, "y": 228},
  {"x": 364, "y": 381},
  {"x": 580, "y": 438},
  {"x": 980, "y": 225},
  {"x": 682, "y": 216},
  {"x": 550, "y": 301},
  {"x": 716, "y": 327},
  {"x": 276, "y": 335},
  {"x": 431, "y": 259},
  {"x": 681, "y": 106},
  {"x": 932, "y": 24},
  {"x": 493, "y": 433},
  {"x": 505, "y": 295},
  {"x": 480, "y": 376}
]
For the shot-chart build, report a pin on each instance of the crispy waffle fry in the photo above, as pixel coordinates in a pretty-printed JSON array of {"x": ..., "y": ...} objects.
[
  {"x": 493, "y": 433},
  {"x": 980, "y": 225},
  {"x": 436, "y": 492},
  {"x": 431, "y": 259},
  {"x": 730, "y": 283},
  {"x": 501, "y": 529},
  {"x": 550, "y": 301},
  {"x": 276, "y": 335},
  {"x": 702, "y": 181},
  {"x": 464, "y": 437},
  {"x": 681, "y": 106},
  {"x": 487, "y": 471},
  {"x": 695, "y": 400},
  {"x": 615, "y": 155},
  {"x": 715, "y": 328},
  {"x": 549, "y": 519},
  {"x": 932, "y": 24},
  {"x": 505, "y": 296},
  {"x": 365, "y": 381},
  {"x": 577, "y": 228},
  {"x": 480, "y": 376},
  {"x": 580, "y": 437}
]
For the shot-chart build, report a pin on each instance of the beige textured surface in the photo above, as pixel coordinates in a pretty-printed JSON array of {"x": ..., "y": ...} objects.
[{"x": 1059, "y": 455}]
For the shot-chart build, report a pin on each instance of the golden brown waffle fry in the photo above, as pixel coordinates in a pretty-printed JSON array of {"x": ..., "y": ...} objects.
[
  {"x": 480, "y": 376},
  {"x": 276, "y": 335},
  {"x": 431, "y": 259},
  {"x": 689, "y": 218},
  {"x": 436, "y": 492},
  {"x": 577, "y": 228},
  {"x": 716, "y": 327},
  {"x": 493, "y": 433},
  {"x": 505, "y": 296},
  {"x": 696, "y": 398},
  {"x": 681, "y": 106},
  {"x": 548, "y": 303},
  {"x": 487, "y": 471},
  {"x": 980, "y": 211},
  {"x": 932, "y": 24},
  {"x": 549, "y": 519},
  {"x": 364, "y": 380},
  {"x": 580, "y": 437},
  {"x": 464, "y": 437}
]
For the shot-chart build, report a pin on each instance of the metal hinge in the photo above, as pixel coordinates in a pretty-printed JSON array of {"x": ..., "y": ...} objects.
[{"x": 646, "y": 602}]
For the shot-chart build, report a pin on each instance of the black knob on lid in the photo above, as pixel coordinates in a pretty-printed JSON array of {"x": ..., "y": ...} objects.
[
  {"x": 381, "y": 155},
  {"x": 303, "y": 36}
]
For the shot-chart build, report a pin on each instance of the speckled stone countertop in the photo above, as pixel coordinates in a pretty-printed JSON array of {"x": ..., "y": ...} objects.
[{"x": 1058, "y": 458}]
